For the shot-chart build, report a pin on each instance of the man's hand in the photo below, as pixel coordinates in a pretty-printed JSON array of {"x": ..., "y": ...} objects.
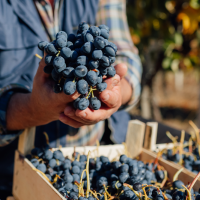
[
  {"x": 118, "y": 92},
  {"x": 39, "y": 107}
]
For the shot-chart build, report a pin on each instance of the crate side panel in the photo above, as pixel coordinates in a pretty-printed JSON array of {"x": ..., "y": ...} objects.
[
  {"x": 29, "y": 184},
  {"x": 185, "y": 176}
]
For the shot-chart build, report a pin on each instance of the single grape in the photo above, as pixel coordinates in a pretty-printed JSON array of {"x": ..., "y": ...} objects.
[
  {"x": 101, "y": 86},
  {"x": 111, "y": 71},
  {"x": 93, "y": 64},
  {"x": 48, "y": 69},
  {"x": 67, "y": 164},
  {"x": 49, "y": 59},
  {"x": 50, "y": 48},
  {"x": 83, "y": 34},
  {"x": 74, "y": 56},
  {"x": 59, "y": 70},
  {"x": 69, "y": 87},
  {"x": 68, "y": 72},
  {"x": 99, "y": 42},
  {"x": 82, "y": 86},
  {"x": 83, "y": 26},
  {"x": 104, "y": 61},
  {"x": 61, "y": 42},
  {"x": 48, "y": 155},
  {"x": 87, "y": 48},
  {"x": 123, "y": 177},
  {"x": 95, "y": 31},
  {"x": 112, "y": 60},
  {"x": 58, "y": 62},
  {"x": 91, "y": 78},
  {"x": 103, "y": 26},
  {"x": 103, "y": 71},
  {"x": 42, "y": 167},
  {"x": 61, "y": 33},
  {"x": 68, "y": 178},
  {"x": 97, "y": 54},
  {"x": 76, "y": 169},
  {"x": 95, "y": 103},
  {"x": 66, "y": 53},
  {"x": 57, "y": 88},
  {"x": 42, "y": 44},
  {"x": 109, "y": 51},
  {"x": 70, "y": 45},
  {"x": 71, "y": 38},
  {"x": 83, "y": 104},
  {"x": 114, "y": 46},
  {"x": 80, "y": 71},
  {"x": 52, "y": 163},
  {"x": 75, "y": 102},
  {"x": 82, "y": 60},
  {"x": 88, "y": 37},
  {"x": 99, "y": 79},
  {"x": 104, "y": 33}
]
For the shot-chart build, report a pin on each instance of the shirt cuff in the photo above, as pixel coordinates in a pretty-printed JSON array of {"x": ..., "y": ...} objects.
[{"x": 5, "y": 95}]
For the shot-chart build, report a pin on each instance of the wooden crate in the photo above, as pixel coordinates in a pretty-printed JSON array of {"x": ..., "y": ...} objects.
[{"x": 31, "y": 185}]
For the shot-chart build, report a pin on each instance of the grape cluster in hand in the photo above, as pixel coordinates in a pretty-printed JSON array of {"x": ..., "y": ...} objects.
[{"x": 81, "y": 62}]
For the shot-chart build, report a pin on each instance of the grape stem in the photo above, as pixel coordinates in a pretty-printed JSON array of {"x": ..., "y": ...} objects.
[
  {"x": 189, "y": 194},
  {"x": 58, "y": 53},
  {"x": 38, "y": 56},
  {"x": 88, "y": 178},
  {"x": 81, "y": 181},
  {"x": 46, "y": 137},
  {"x": 194, "y": 181},
  {"x": 177, "y": 173},
  {"x": 89, "y": 92}
]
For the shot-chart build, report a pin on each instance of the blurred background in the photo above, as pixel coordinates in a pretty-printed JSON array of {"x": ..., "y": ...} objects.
[{"x": 167, "y": 34}]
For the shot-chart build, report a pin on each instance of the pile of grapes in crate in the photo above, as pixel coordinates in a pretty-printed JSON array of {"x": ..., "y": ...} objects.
[
  {"x": 86, "y": 178},
  {"x": 185, "y": 153},
  {"x": 81, "y": 62}
]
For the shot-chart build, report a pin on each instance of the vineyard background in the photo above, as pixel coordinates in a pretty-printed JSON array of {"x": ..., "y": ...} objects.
[{"x": 167, "y": 34}]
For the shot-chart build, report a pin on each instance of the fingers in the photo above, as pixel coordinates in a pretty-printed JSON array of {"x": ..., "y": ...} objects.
[
  {"x": 112, "y": 82},
  {"x": 66, "y": 120},
  {"x": 121, "y": 70},
  {"x": 91, "y": 116},
  {"x": 67, "y": 98},
  {"x": 112, "y": 98}
]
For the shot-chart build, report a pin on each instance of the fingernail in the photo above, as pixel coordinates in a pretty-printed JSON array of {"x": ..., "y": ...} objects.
[
  {"x": 105, "y": 97},
  {"x": 69, "y": 111},
  {"x": 115, "y": 82}
]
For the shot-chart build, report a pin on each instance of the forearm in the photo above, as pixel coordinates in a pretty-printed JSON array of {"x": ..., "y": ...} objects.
[
  {"x": 19, "y": 113},
  {"x": 126, "y": 91}
]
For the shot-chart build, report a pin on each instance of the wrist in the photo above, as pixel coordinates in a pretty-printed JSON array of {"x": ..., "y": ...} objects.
[{"x": 19, "y": 112}]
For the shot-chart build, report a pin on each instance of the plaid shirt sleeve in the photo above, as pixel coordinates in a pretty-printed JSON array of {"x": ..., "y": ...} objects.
[
  {"x": 113, "y": 14},
  {"x": 5, "y": 94}
]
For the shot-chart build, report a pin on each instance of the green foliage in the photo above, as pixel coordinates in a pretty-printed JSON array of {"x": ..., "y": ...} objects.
[{"x": 173, "y": 24}]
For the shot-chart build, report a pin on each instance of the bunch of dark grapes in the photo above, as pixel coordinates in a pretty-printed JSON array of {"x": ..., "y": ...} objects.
[
  {"x": 81, "y": 62},
  {"x": 122, "y": 179}
]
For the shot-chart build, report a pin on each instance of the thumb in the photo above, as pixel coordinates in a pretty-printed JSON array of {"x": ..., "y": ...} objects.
[{"x": 121, "y": 70}]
